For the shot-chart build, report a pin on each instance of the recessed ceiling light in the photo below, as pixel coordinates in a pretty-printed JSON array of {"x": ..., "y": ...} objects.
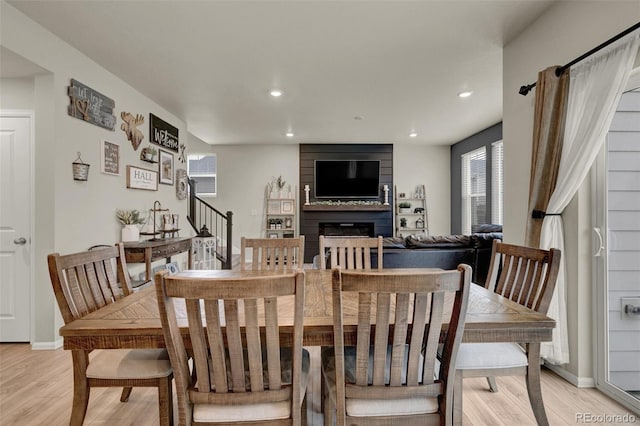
[
  {"x": 465, "y": 94},
  {"x": 289, "y": 134},
  {"x": 413, "y": 134},
  {"x": 358, "y": 117},
  {"x": 276, "y": 93}
]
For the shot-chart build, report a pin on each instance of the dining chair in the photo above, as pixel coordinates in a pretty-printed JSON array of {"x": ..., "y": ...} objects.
[
  {"x": 278, "y": 254},
  {"x": 391, "y": 375},
  {"x": 240, "y": 376},
  {"x": 83, "y": 283},
  {"x": 349, "y": 252},
  {"x": 526, "y": 276}
]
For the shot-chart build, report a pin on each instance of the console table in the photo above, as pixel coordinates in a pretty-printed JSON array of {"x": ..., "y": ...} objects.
[{"x": 150, "y": 250}]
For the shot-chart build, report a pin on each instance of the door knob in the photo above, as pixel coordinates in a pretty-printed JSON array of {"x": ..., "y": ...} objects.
[{"x": 20, "y": 241}]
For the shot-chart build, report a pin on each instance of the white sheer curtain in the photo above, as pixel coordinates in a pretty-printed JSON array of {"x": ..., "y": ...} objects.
[{"x": 595, "y": 87}]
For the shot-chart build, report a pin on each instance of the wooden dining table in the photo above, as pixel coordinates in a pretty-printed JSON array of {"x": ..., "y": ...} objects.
[{"x": 134, "y": 322}]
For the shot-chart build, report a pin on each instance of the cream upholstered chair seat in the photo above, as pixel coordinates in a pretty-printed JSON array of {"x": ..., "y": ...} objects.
[
  {"x": 129, "y": 364},
  {"x": 374, "y": 407},
  {"x": 490, "y": 355},
  {"x": 257, "y": 411}
]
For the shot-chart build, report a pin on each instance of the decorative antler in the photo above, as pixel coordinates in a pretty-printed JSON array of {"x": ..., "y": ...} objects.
[{"x": 129, "y": 127}]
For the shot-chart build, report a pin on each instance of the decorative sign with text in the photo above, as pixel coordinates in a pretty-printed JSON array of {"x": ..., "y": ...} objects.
[
  {"x": 162, "y": 133},
  {"x": 138, "y": 178},
  {"x": 91, "y": 106}
]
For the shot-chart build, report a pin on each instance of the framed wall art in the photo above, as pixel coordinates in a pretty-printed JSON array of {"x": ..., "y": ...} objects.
[
  {"x": 109, "y": 158},
  {"x": 287, "y": 207},
  {"x": 139, "y": 178},
  {"x": 181, "y": 184},
  {"x": 273, "y": 207},
  {"x": 166, "y": 167}
]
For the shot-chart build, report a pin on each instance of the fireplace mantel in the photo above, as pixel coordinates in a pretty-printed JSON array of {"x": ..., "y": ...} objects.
[{"x": 345, "y": 207}]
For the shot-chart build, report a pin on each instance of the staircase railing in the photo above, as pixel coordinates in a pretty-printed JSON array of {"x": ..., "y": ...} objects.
[{"x": 219, "y": 224}]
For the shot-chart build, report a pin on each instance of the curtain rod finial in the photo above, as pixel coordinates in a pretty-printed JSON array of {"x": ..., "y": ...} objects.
[{"x": 524, "y": 90}]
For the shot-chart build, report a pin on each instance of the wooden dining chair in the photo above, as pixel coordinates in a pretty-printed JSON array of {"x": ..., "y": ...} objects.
[
  {"x": 391, "y": 375},
  {"x": 277, "y": 254},
  {"x": 242, "y": 376},
  {"x": 349, "y": 252},
  {"x": 526, "y": 276},
  {"x": 83, "y": 283}
]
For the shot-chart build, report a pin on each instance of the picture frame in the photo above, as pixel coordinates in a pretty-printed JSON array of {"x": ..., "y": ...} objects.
[
  {"x": 165, "y": 167},
  {"x": 139, "y": 178},
  {"x": 273, "y": 207},
  {"x": 272, "y": 235},
  {"x": 109, "y": 158},
  {"x": 286, "y": 207}
]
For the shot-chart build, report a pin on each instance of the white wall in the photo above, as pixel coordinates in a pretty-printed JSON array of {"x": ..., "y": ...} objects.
[
  {"x": 564, "y": 32},
  {"x": 16, "y": 93},
  {"x": 428, "y": 165},
  {"x": 70, "y": 215}
]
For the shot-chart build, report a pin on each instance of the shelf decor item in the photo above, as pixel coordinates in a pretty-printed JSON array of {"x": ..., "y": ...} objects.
[
  {"x": 405, "y": 207},
  {"x": 80, "y": 169},
  {"x": 149, "y": 154},
  {"x": 130, "y": 219}
]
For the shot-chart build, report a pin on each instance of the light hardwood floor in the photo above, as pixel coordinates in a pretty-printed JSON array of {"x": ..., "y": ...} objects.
[{"x": 36, "y": 388}]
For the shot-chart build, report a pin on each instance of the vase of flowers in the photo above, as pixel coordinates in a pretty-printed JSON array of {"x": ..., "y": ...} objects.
[{"x": 130, "y": 219}]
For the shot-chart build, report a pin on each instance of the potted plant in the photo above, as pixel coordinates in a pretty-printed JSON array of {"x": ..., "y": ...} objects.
[
  {"x": 149, "y": 154},
  {"x": 403, "y": 222},
  {"x": 130, "y": 218},
  {"x": 404, "y": 206},
  {"x": 280, "y": 183}
]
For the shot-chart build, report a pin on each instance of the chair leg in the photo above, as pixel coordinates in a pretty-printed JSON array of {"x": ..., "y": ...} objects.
[
  {"x": 493, "y": 386},
  {"x": 80, "y": 388},
  {"x": 304, "y": 410},
  {"x": 126, "y": 393},
  {"x": 165, "y": 400},
  {"x": 457, "y": 398}
]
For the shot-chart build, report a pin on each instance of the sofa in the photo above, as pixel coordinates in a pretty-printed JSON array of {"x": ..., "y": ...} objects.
[{"x": 446, "y": 251}]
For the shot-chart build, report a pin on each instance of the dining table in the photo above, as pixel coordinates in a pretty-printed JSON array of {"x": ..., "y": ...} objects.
[{"x": 134, "y": 322}]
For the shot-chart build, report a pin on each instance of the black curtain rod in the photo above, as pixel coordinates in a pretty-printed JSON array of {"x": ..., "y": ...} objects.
[{"x": 524, "y": 90}]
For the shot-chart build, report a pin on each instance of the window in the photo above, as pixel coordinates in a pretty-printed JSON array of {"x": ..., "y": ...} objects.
[
  {"x": 476, "y": 181},
  {"x": 497, "y": 182},
  {"x": 474, "y": 188},
  {"x": 203, "y": 170}
]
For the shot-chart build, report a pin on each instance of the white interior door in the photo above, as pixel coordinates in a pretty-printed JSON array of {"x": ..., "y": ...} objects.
[{"x": 15, "y": 237}]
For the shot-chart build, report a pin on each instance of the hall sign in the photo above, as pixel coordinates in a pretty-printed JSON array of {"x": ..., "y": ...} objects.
[{"x": 162, "y": 133}]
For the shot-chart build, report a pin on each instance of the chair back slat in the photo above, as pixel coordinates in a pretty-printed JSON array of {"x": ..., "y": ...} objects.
[
  {"x": 86, "y": 281},
  {"x": 403, "y": 355},
  {"x": 276, "y": 254},
  {"x": 349, "y": 252},
  {"x": 525, "y": 275},
  {"x": 238, "y": 358}
]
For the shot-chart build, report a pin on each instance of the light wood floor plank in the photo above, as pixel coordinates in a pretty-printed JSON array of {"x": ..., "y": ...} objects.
[{"x": 36, "y": 389}]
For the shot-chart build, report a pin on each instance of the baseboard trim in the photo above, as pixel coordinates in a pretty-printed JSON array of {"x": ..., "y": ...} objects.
[
  {"x": 579, "y": 382},
  {"x": 46, "y": 346}
]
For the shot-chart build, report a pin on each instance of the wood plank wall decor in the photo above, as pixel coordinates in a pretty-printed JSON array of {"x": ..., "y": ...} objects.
[
  {"x": 310, "y": 218},
  {"x": 91, "y": 106}
]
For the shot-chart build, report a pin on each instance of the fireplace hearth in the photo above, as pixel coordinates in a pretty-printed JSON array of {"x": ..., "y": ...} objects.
[{"x": 346, "y": 229}]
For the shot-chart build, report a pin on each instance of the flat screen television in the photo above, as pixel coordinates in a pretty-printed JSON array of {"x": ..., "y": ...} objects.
[{"x": 347, "y": 178}]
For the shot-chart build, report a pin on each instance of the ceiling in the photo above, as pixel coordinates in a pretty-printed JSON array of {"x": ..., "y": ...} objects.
[{"x": 350, "y": 71}]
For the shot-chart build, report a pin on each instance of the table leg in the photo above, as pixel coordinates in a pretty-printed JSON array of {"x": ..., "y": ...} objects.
[
  {"x": 533, "y": 384},
  {"x": 80, "y": 387}
]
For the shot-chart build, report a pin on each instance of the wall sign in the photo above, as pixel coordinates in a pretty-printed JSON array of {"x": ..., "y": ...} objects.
[
  {"x": 110, "y": 156},
  {"x": 91, "y": 106},
  {"x": 138, "y": 178},
  {"x": 163, "y": 133}
]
